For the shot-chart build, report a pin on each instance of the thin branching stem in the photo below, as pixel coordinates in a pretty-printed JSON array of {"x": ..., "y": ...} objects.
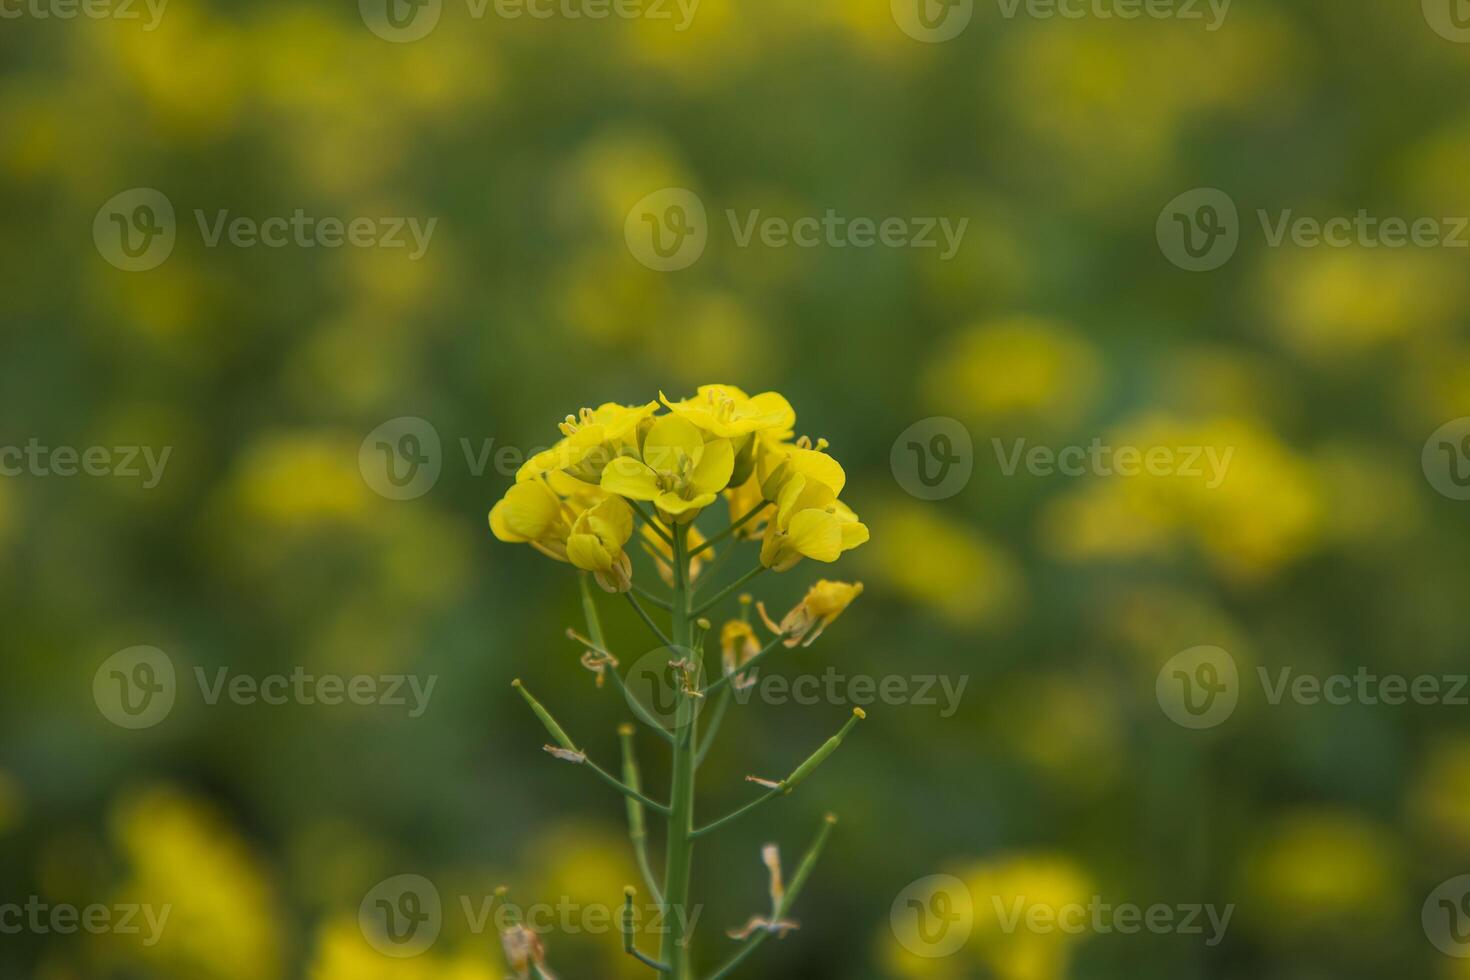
[
  {"x": 648, "y": 620},
  {"x": 651, "y": 598},
  {"x": 721, "y": 706},
  {"x": 728, "y": 591},
  {"x": 790, "y": 782},
  {"x": 745, "y": 518},
  {"x": 651, "y": 521},
  {"x": 798, "y": 881}
]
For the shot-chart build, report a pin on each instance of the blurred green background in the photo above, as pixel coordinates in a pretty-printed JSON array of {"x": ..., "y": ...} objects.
[{"x": 1060, "y": 319}]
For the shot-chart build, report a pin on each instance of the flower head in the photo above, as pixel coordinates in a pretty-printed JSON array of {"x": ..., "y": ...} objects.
[
  {"x": 810, "y": 522},
  {"x": 677, "y": 470},
  {"x": 590, "y": 441},
  {"x": 823, "y": 603},
  {"x": 596, "y": 543},
  {"x": 738, "y": 645}
]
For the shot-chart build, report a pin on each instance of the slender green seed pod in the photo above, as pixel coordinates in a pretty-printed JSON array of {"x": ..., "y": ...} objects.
[{"x": 552, "y": 728}]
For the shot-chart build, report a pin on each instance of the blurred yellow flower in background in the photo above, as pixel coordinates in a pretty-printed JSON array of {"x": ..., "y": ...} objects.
[
  {"x": 1438, "y": 800},
  {"x": 964, "y": 578},
  {"x": 1333, "y": 304},
  {"x": 1012, "y": 884},
  {"x": 342, "y": 953},
  {"x": 1316, "y": 872},
  {"x": 225, "y": 915},
  {"x": 1068, "y": 728},
  {"x": 1111, "y": 127},
  {"x": 1248, "y": 503},
  {"x": 1014, "y": 371}
]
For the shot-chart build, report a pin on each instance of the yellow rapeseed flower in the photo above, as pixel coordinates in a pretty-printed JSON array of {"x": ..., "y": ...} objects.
[
  {"x": 679, "y": 471},
  {"x": 823, "y": 602}
]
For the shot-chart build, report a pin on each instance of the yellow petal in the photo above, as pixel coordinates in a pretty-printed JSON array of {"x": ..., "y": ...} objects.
[
  {"x": 628, "y": 477},
  {"x": 612, "y": 520},
  {"x": 712, "y": 475},
  {"x": 585, "y": 551},
  {"x": 671, "y": 440},
  {"x": 525, "y": 513},
  {"x": 816, "y": 534}
]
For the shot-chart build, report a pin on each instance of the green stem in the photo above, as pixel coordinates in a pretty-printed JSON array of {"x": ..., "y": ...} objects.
[
  {"x": 637, "y": 827},
  {"x": 674, "y": 949},
  {"x": 648, "y": 620},
  {"x": 627, "y": 927},
  {"x": 594, "y": 633},
  {"x": 651, "y": 521},
  {"x": 565, "y": 741},
  {"x": 714, "y": 727},
  {"x": 737, "y": 525},
  {"x": 798, "y": 881},
  {"x": 650, "y": 597},
  {"x": 792, "y": 781},
  {"x": 728, "y": 590}
]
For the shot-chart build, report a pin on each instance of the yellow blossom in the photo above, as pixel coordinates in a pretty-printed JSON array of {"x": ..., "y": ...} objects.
[
  {"x": 823, "y": 603},
  {"x": 679, "y": 471},
  {"x": 809, "y": 523},
  {"x": 596, "y": 543},
  {"x": 738, "y": 644},
  {"x": 591, "y": 440}
]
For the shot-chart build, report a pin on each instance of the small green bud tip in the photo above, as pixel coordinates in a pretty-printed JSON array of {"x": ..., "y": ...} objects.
[
  {"x": 859, "y": 712},
  {"x": 629, "y": 891},
  {"x": 703, "y": 623},
  {"x": 502, "y": 891},
  {"x": 625, "y": 729},
  {"x": 831, "y": 818},
  {"x": 746, "y": 598},
  {"x": 516, "y": 683}
]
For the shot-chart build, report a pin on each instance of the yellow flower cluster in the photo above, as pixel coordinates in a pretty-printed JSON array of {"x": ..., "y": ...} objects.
[{"x": 575, "y": 502}]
